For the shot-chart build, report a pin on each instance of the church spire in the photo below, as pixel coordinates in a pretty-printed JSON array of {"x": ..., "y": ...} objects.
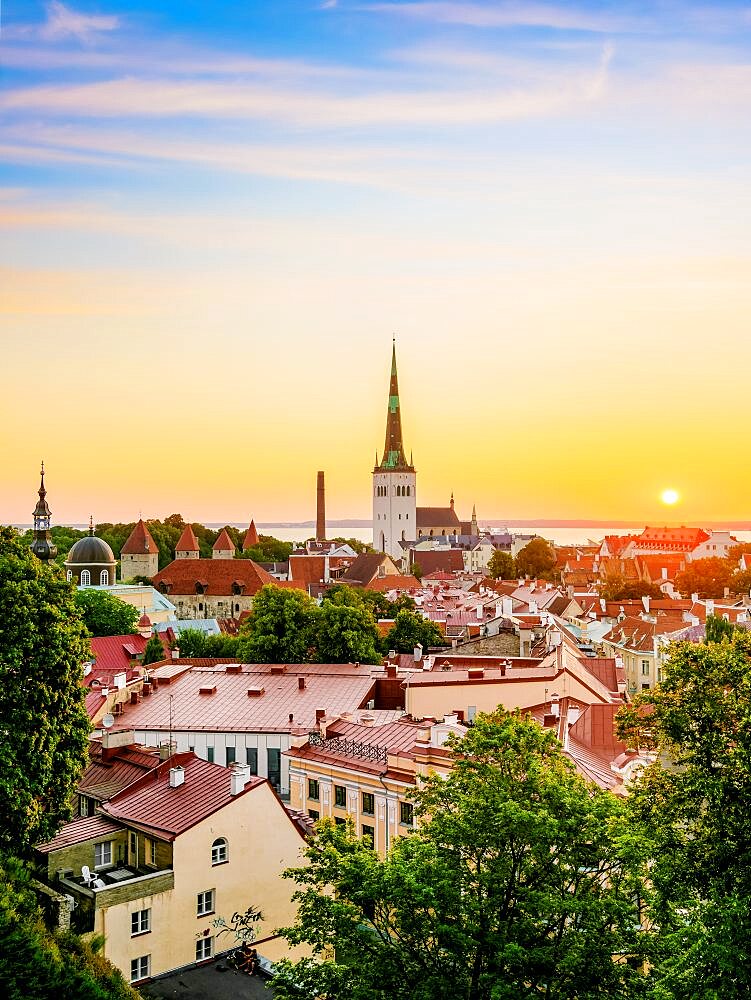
[
  {"x": 42, "y": 546},
  {"x": 394, "y": 456}
]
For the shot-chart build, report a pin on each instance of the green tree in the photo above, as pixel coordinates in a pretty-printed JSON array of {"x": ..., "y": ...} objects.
[
  {"x": 416, "y": 570},
  {"x": 740, "y": 582},
  {"x": 615, "y": 587},
  {"x": 705, "y": 577},
  {"x": 355, "y": 544},
  {"x": 376, "y": 601},
  {"x": 502, "y": 566},
  {"x": 38, "y": 964},
  {"x": 536, "y": 559},
  {"x": 718, "y": 629},
  {"x": 345, "y": 634},
  {"x": 63, "y": 537},
  {"x": 269, "y": 549},
  {"x": 409, "y": 629},
  {"x": 280, "y": 628},
  {"x": 154, "y": 651},
  {"x": 44, "y": 746},
  {"x": 520, "y": 882},
  {"x": 195, "y": 644},
  {"x": 694, "y": 804},
  {"x": 105, "y": 614}
]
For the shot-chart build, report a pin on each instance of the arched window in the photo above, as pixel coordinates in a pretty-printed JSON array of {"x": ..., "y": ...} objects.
[
  {"x": 237, "y": 607},
  {"x": 219, "y": 851},
  {"x": 104, "y": 578},
  {"x": 69, "y": 575},
  {"x": 85, "y": 578},
  {"x": 408, "y": 491}
]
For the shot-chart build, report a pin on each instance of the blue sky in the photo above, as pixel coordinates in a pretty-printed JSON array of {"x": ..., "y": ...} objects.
[{"x": 549, "y": 203}]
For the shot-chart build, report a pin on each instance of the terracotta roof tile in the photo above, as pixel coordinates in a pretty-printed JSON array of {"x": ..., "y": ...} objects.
[
  {"x": 140, "y": 541},
  {"x": 251, "y": 536},
  {"x": 223, "y": 543},
  {"x": 217, "y": 575},
  {"x": 188, "y": 541},
  {"x": 80, "y": 830}
]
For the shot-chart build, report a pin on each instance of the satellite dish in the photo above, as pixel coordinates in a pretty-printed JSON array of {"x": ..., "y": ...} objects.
[{"x": 108, "y": 721}]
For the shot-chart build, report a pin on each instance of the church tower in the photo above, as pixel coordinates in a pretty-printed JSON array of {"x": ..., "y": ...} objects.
[
  {"x": 42, "y": 546},
  {"x": 394, "y": 482}
]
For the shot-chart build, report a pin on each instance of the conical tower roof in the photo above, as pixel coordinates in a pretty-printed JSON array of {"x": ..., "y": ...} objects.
[
  {"x": 394, "y": 455},
  {"x": 188, "y": 541},
  {"x": 223, "y": 543},
  {"x": 42, "y": 508},
  {"x": 139, "y": 541},
  {"x": 251, "y": 537}
]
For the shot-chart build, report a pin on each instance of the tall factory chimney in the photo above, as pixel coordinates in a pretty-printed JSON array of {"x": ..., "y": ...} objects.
[{"x": 321, "y": 510}]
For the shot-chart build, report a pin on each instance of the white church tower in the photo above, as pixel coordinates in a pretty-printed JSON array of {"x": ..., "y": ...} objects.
[{"x": 394, "y": 483}]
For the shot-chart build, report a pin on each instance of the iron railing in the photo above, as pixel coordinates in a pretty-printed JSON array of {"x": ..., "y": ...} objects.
[{"x": 350, "y": 748}]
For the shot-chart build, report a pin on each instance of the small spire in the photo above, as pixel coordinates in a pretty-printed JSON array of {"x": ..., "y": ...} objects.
[
  {"x": 452, "y": 499},
  {"x": 91, "y": 524}
]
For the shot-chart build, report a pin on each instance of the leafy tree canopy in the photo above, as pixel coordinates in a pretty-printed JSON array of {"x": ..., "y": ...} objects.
[
  {"x": 705, "y": 577},
  {"x": 379, "y": 605},
  {"x": 280, "y": 627},
  {"x": 105, "y": 614},
  {"x": 269, "y": 549},
  {"x": 536, "y": 559},
  {"x": 154, "y": 651},
  {"x": 520, "y": 882},
  {"x": 502, "y": 566},
  {"x": 43, "y": 645},
  {"x": 694, "y": 805},
  {"x": 355, "y": 544},
  {"x": 194, "y": 643},
  {"x": 62, "y": 536},
  {"x": 345, "y": 634},
  {"x": 409, "y": 629},
  {"x": 615, "y": 587},
  {"x": 36, "y": 964}
]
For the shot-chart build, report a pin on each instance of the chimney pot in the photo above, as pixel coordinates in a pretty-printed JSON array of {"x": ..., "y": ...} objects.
[
  {"x": 300, "y": 683},
  {"x": 176, "y": 776}
]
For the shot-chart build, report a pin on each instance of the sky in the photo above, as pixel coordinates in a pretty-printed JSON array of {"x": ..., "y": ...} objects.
[{"x": 215, "y": 215}]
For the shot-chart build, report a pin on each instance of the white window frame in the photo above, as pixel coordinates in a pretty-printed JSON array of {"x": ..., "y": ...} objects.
[
  {"x": 85, "y": 578},
  {"x": 104, "y": 578},
  {"x": 140, "y": 968},
  {"x": 205, "y": 902},
  {"x": 140, "y": 922},
  {"x": 220, "y": 851},
  {"x": 204, "y": 948},
  {"x": 105, "y": 851}
]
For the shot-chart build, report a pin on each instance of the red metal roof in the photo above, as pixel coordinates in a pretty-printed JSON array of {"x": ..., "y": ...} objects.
[
  {"x": 152, "y": 803},
  {"x": 110, "y": 772},
  {"x": 111, "y": 653},
  {"x": 334, "y": 688}
]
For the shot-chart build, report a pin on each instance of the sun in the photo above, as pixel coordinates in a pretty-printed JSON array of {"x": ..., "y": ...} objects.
[{"x": 670, "y": 497}]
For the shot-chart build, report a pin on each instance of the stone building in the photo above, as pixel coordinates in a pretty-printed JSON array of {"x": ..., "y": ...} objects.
[
  {"x": 187, "y": 547},
  {"x": 211, "y": 588},
  {"x": 140, "y": 554}
]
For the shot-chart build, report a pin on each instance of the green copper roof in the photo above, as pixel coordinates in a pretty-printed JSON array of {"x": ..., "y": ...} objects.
[{"x": 394, "y": 456}]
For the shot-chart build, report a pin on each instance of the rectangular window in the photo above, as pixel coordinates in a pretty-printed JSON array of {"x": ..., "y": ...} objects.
[
  {"x": 133, "y": 846},
  {"x": 149, "y": 850},
  {"x": 231, "y": 756},
  {"x": 210, "y": 755},
  {"x": 103, "y": 854},
  {"x": 140, "y": 922},
  {"x": 340, "y": 821},
  {"x": 86, "y": 806},
  {"x": 314, "y": 814},
  {"x": 406, "y": 813},
  {"x": 204, "y": 948},
  {"x": 368, "y": 804},
  {"x": 313, "y": 789},
  {"x": 251, "y": 759},
  {"x": 645, "y": 687},
  {"x": 139, "y": 968},
  {"x": 205, "y": 903},
  {"x": 645, "y": 668},
  {"x": 340, "y": 796},
  {"x": 368, "y": 835},
  {"x": 274, "y": 765}
]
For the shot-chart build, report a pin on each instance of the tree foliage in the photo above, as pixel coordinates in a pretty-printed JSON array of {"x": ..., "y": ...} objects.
[
  {"x": 616, "y": 587},
  {"x": 269, "y": 549},
  {"x": 536, "y": 559},
  {"x": 279, "y": 628},
  {"x": 62, "y": 536},
  {"x": 409, "y": 629},
  {"x": 694, "y": 805},
  {"x": 519, "y": 882},
  {"x": 346, "y": 634},
  {"x": 43, "y": 720},
  {"x": 195, "y": 644},
  {"x": 37, "y": 964},
  {"x": 502, "y": 566},
  {"x": 105, "y": 614},
  {"x": 375, "y": 600},
  {"x": 154, "y": 651},
  {"x": 705, "y": 577}
]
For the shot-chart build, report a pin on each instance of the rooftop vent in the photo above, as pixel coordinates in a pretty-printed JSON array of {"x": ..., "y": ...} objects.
[
  {"x": 176, "y": 776},
  {"x": 255, "y": 692},
  {"x": 207, "y": 689},
  {"x": 300, "y": 683},
  {"x": 234, "y": 668},
  {"x": 476, "y": 673},
  {"x": 278, "y": 668}
]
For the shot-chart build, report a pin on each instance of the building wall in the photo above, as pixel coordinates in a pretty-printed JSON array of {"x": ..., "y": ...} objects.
[
  {"x": 146, "y": 564},
  {"x": 211, "y": 606},
  {"x": 73, "y": 573},
  {"x": 199, "y": 743},
  {"x": 394, "y": 514}
]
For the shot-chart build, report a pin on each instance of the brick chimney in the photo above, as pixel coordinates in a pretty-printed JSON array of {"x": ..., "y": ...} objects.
[{"x": 320, "y": 509}]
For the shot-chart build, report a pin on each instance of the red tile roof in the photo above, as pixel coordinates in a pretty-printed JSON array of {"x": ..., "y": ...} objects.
[
  {"x": 251, "y": 536},
  {"x": 152, "y": 803},
  {"x": 223, "y": 543},
  {"x": 188, "y": 541},
  {"x": 384, "y": 583},
  {"x": 78, "y": 831},
  {"x": 437, "y": 517},
  {"x": 216, "y": 575},
  {"x": 433, "y": 560},
  {"x": 139, "y": 541}
]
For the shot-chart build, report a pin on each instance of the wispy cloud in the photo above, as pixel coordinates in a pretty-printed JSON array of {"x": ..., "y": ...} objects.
[
  {"x": 64, "y": 22},
  {"x": 506, "y": 15}
]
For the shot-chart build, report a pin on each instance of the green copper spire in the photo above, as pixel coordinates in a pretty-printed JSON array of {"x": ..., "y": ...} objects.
[{"x": 394, "y": 456}]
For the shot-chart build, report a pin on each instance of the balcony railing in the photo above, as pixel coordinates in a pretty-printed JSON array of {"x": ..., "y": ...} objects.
[{"x": 350, "y": 748}]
